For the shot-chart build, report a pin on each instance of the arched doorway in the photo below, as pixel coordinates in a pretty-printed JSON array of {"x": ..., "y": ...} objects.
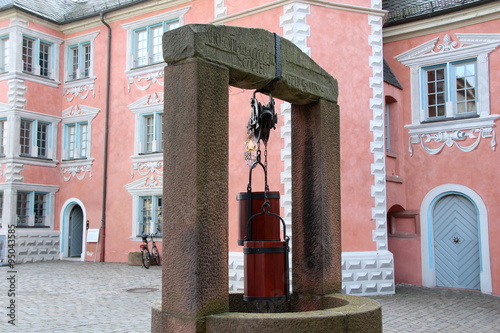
[
  {"x": 75, "y": 232},
  {"x": 427, "y": 221},
  {"x": 456, "y": 242}
]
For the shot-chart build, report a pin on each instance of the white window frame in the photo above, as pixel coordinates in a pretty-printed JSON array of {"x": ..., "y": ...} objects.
[
  {"x": 1, "y": 207},
  {"x": 78, "y": 64},
  {"x": 34, "y": 139},
  {"x": 16, "y": 32},
  {"x": 151, "y": 52},
  {"x": 155, "y": 145},
  {"x": 76, "y": 144},
  {"x": 3, "y": 136},
  {"x": 450, "y": 91},
  {"x": 37, "y": 49},
  {"x": 156, "y": 215},
  {"x": 79, "y": 43},
  {"x": 133, "y": 27},
  {"x": 80, "y": 115},
  {"x": 141, "y": 108},
  {"x": 13, "y": 129},
  {"x": 139, "y": 189},
  {"x": 10, "y": 192},
  {"x": 4, "y": 54},
  {"x": 472, "y": 46}
]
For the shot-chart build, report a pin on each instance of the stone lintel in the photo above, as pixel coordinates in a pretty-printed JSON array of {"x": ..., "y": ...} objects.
[{"x": 255, "y": 58}]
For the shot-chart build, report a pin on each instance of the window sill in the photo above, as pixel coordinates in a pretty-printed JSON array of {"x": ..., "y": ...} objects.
[
  {"x": 151, "y": 153},
  {"x": 158, "y": 238},
  {"x": 35, "y": 161},
  {"x": 138, "y": 68},
  {"x": 37, "y": 79},
  {"x": 443, "y": 119},
  {"x": 76, "y": 160},
  {"x": 32, "y": 227},
  {"x": 152, "y": 157},
  {"x": 452, "y": 125}
]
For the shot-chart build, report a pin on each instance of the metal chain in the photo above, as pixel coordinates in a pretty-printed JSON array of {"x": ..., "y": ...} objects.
[{"x": 266, "y": 186}]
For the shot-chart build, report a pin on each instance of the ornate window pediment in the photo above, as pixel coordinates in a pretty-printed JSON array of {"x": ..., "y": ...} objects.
[
  {"x": 148, "y": 137},
  {"x": 454, "y": 109},
  {"x": 77, "y": 141}
]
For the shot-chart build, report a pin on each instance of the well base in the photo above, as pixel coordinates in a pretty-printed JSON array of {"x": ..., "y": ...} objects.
[{"x": 304, "y": 313}]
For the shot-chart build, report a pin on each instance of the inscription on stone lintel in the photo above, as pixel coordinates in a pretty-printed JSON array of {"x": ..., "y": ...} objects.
[
  {"x": 250, "y": 58},
  {"x": 304, "y": 84}
]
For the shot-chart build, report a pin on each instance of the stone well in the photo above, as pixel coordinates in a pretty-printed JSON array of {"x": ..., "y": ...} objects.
[{"x": 203, "y": 60}]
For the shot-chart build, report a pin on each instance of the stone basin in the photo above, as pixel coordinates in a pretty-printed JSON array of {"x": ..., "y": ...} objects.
[{"x": 329, "y": 313}]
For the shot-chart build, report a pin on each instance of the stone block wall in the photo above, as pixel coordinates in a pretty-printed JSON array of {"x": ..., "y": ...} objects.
[{"x": 37, "y": 245}]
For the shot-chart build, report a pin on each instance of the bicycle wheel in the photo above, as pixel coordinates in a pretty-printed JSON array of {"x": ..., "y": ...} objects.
[
  {"x": 155, "y": 255},
  {"x": 146, "y": 257}
]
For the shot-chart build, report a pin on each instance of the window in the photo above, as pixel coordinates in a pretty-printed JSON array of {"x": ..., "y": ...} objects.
[
  {"x": 37, "y": 57},
  {"x": 76, "y": 144},
  {"x": 33, "y": 131},
  {"x": 3, "y": 136},
  {"x": 22, "y": 209},
  {"x": 79, "y": 61},
  {"x": 152, "y": 133},
  {"x": 450, "y": 90},
  {"x": 40, "y": 209},
  {"x": 31, "y": 215},
  {"x": 1, "y": 208},
  {"x": 450, "y": 80},
  {"x": 146, "y": 43},
  {"x": 387, "y": 126},
  {"x": 4, "y": 54},
  {"x": 150, "y": 217}
]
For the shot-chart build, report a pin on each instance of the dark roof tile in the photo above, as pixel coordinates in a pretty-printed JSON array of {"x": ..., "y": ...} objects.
[
  {"x": 389, "y": 76},
  {"x": 64, "y": 11}
]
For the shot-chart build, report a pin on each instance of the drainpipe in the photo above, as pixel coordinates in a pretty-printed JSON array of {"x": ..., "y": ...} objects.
[{"x": 106, "y": 134}]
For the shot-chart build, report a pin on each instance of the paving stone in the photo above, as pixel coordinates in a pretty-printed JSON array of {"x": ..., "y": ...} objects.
[{"x": 419, "y": 309}]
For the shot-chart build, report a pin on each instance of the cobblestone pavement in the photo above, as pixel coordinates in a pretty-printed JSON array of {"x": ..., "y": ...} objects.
[
  {"x": 417, "y": 309},
  {"x": 74, "y": 297}
]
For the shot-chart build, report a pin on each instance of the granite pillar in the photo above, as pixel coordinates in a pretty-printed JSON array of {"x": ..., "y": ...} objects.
[
  {"x": 316, "y": 238},
  {"x": 195, "y": 190}
]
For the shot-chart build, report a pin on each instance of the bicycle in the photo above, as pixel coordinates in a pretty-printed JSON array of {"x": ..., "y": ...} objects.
[{"x": 147, "y": 256}]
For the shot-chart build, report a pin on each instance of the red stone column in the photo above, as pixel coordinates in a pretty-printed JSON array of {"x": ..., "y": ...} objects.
[
  {"x": 316, "y": 240},
  {"x": 195, "y": 191}
]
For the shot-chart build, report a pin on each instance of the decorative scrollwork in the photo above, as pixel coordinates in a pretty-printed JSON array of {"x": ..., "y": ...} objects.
[
  {"x": 78, "y": 171},
  {"x": 450, "y": 138},
  {"x": 80, "y": 91},
  {"x": 448, "y": 44},
  {"x": 143, "y": 82},
  {"x": 145, "y": 168}
]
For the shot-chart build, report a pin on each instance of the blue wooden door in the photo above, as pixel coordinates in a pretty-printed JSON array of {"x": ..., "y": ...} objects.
[
  {"x": 75, "y": 232},
  {"x": 456, "y": 243}
]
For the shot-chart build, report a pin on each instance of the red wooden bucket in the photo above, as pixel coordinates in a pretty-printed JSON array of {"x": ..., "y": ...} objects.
[
  {"x": 265, "y": 226},
  {"x": 265, "y": 271}
]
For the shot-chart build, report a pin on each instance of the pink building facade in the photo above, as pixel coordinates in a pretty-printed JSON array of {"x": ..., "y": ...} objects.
[
  {"x": 81, "y": 111},
  {"x": 442, "y": 184}
]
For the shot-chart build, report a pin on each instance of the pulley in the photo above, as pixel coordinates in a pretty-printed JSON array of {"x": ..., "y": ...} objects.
[{"x": 263, "y": 118}]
